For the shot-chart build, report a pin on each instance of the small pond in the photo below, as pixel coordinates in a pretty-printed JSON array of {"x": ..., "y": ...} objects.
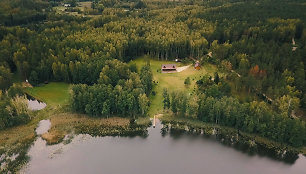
[
  {"x": 34, "y": 104},
  {"x": 150, "y": 155}
]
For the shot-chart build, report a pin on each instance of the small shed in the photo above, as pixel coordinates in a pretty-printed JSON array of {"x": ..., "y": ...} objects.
[
  {"x": 197, "y": 66},
  {"x": 166, "y": 68}
]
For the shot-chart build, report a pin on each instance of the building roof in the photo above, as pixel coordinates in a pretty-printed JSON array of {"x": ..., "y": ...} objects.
[{"x": 168, "y": 67}]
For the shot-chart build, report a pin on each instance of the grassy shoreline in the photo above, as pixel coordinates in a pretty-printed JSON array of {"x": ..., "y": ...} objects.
[{"x": 17, "y": 140}]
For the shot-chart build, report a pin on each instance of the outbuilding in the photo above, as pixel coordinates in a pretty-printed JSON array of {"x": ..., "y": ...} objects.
[{"x": 167, "y": 68}]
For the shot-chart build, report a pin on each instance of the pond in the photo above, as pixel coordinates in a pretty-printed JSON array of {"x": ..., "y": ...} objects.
[
  {"x": 150, "y": 155},
  {"x": 34, "y": 104}
]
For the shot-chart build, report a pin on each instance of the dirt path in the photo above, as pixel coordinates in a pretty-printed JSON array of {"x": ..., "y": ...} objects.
[{"x": 180, "y": 69}]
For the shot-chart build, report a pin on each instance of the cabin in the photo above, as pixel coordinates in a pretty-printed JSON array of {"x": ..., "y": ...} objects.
[
  {"x": 168, "y": 68},
  {"x": 197, "y": 66}
]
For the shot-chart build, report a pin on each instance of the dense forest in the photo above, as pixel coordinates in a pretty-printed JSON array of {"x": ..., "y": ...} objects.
[{"x": 259, "y": 44}]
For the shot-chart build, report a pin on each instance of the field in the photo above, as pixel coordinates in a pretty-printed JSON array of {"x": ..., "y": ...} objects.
[
  {"x": 54, "y": 93},
  {"x": 171, "y": 81},
  {"x": 82, "y": 6}
]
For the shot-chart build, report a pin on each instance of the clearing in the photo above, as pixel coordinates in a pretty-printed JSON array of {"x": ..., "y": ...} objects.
[
  {"x": 171, "y": 81},
  {"x": 54, "y": 93}
]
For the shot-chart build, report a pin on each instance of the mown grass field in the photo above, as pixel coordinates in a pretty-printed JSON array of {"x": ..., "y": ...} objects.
[
  {"x": 171, "y": 81},
  {"x": 81, "y": 5},
  {"x": 54, "y": 93}
]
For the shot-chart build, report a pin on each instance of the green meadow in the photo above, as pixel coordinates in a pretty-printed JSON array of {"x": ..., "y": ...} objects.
[{"x": 54, "y": 93}]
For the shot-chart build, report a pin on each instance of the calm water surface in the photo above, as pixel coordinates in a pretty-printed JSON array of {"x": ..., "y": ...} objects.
[
  {"x": 151, "y": 155},
  {"x": 36, "y": 105}
]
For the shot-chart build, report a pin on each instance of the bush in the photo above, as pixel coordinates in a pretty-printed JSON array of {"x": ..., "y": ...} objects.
[{"x": 187, "y": 81}]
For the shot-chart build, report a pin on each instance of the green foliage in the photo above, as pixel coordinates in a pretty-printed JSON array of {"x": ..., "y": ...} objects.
[
  {"x": 119, "y": 92},
  {"x": 15, "y": 90},
  {"x": 146, "y": 77},
  {"x": 187, "y": 81},
  {"x": 166, "y": 99},
  {"x": 5, "y": 77},
  {"x": 13, "y": 111},
  {"x": 179, "y": 103},
  {"x": 254, "y": 117},
  {"x": 140, "y": 4},
  {"x": 215, "y": 88},
  {"x": 33, "y": 79}
]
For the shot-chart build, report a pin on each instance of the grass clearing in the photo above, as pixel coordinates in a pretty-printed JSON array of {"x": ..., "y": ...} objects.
[
  {"x": 171, "y": 81},
  {"x": 54, "y": 93}
]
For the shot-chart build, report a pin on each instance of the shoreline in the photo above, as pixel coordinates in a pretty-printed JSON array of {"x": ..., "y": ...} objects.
[{"x": 229, "y": 136}]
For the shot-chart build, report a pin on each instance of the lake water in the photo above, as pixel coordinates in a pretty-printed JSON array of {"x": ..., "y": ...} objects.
[
  {"x": 150, "y": 155},
  {"x": 35, "y": 105}
]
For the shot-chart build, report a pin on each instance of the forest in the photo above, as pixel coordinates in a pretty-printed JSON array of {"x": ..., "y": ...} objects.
[{"x": 259, "y": 44}]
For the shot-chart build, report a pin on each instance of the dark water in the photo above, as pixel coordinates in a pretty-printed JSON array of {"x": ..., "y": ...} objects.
[{"x": 151, "y": 155}]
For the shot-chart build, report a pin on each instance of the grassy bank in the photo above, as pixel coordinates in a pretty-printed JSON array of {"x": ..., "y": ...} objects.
[
  {"x": 63, "y": 124},
  {"x": 171, "y": 81},
  {"x": 17, "y": 140}
]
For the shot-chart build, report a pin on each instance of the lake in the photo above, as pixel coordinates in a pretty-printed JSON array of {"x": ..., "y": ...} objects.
[{"x": 151, "y": 155}]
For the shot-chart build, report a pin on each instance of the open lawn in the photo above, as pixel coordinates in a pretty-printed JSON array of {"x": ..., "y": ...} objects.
[
  {"x": 171, "y": 81},
  {"x": 82, "y": 6},
  {"x": 54, "y": 93}
]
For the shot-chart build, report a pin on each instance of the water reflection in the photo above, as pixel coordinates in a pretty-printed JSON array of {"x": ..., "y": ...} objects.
[
  {"x": 155, "y": 154},
  {"x": 43, "y": 127},
  {"x": 35, "y": 104}
]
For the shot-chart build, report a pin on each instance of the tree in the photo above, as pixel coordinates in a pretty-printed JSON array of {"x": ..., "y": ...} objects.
[
  {"x": 5, "y": 77},
  {"x": 187, "y": 81},
  {"x": 106, "y": 109},
  {"x": 193, "y": 106},
  {"x": 174, "y": 102},
  {"x": 143, "y": 104},
  {"x": 146, "y": 77},
  {"x": 33, "y": 79},
  {"x": 216, "y": 78},
  {"x": 166, "y": 99},
  {"x": 300, "y": 77},
  {"x": 286, "y": 104}
]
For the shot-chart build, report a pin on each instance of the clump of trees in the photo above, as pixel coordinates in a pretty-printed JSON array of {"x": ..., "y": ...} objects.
[
  {"x": 118, "y": 92},
  {"x": 214, "y": 87}
]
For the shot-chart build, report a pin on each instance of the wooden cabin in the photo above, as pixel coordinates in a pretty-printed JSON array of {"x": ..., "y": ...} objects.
[{"x": 168, "y": 68}]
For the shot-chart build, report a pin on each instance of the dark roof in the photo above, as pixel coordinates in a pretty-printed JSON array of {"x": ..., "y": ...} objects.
[{"x": 169, "y": 66}]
